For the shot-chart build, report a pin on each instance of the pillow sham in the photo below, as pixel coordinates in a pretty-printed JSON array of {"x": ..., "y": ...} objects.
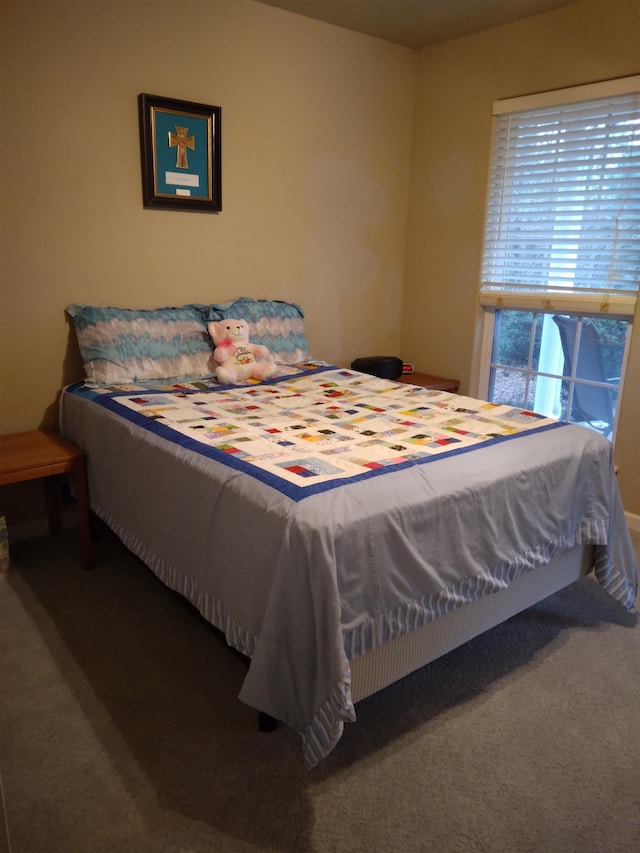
[
  {"x": 120, "y": 345},
  {"x": 273, "y": 323}
]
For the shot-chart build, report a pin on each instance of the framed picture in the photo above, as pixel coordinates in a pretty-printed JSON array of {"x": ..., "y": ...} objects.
[{"x": 180, "y": 151}]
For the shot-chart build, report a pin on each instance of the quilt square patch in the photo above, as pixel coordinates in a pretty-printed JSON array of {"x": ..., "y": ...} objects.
[{"x": 309, "y": 467}]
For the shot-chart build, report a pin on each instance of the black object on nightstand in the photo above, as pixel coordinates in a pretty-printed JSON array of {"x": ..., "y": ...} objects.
[{"x": 383, "y": 366}]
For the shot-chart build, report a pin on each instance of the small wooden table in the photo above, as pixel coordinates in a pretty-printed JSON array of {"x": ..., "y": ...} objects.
[
  {"x": 41, "y": 454},
  {"x": 435, "y": 383}
]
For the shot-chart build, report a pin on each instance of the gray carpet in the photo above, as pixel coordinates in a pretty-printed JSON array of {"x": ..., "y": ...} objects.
[{"x": 120, "y": 730}]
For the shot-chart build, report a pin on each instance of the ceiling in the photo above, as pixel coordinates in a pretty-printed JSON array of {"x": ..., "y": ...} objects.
[{"x": 418, "y": 23}]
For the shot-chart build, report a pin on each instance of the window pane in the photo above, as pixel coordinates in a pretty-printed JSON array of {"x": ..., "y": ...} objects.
[
  {"x": 593, "y": 354},
  {"x": 540, "y": 333},
  {"x": 575, "y": 366},
  {"x": 509, "y": 387},
  {"x": 613, "y": 334},
  {"x": 511, "y": 342}
]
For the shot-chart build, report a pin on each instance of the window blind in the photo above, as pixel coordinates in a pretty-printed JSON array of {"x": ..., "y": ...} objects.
[{"x": 563, "y": 208}]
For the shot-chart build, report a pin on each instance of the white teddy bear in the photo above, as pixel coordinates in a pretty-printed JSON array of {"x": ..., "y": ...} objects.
[{"x": 237, "y": 359}]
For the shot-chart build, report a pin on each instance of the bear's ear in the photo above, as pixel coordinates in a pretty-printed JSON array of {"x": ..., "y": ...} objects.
[{"x": 213, "y": 331}]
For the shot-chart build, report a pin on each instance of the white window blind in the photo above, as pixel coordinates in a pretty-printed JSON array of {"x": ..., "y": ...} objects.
[{"x": 563, "y": 208}]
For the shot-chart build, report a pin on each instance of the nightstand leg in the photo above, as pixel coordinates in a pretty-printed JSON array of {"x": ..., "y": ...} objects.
[{"x": 51, "y": 497}]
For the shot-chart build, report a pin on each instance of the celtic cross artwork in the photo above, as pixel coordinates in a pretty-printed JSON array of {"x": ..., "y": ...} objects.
[{"x": 181, "y": 141}]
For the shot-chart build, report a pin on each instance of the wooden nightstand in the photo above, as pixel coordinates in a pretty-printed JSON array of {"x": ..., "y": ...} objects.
[
  {"x": 41, "y": 454},
  {"x": 435, "y": 383}
]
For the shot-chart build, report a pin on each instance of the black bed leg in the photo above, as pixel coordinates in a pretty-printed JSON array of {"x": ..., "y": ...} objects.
[{"x": 266, "y": 723}]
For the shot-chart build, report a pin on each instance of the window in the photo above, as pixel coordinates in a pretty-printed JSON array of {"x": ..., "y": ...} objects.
[
  {"x": 560, "y": 365},
  {"x": 561, "y": 258}
]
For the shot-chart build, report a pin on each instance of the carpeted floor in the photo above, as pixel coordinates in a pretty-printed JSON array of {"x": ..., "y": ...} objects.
[{"x": 120, "y": 731}]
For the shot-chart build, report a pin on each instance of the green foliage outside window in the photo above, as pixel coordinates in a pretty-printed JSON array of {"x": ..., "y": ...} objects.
[{"x": 514, "y": 339}]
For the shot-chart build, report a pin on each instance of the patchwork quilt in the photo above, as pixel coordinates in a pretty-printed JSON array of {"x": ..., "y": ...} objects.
[{"x": 313, "y": 431}]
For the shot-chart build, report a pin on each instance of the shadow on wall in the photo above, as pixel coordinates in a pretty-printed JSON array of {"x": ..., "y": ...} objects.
[{"x": 72, "y": 371}]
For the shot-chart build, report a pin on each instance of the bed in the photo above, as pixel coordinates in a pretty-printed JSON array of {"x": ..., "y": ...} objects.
[{"x": 341, "y": 530}]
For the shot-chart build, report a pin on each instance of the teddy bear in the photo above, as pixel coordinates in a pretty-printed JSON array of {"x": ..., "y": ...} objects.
[{"x": 237, "y": 359}]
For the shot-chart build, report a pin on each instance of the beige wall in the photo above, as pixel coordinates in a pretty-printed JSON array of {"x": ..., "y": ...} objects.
[
  {"x": 457, "y": 84},
  {"x": 316, "y": 135},
  {"x": 317, "y": 204}
]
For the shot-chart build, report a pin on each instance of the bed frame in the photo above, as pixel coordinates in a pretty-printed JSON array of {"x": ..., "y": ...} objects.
[
  {"x": 382, "y": 667},
  {"x": 403, "y": 655}
]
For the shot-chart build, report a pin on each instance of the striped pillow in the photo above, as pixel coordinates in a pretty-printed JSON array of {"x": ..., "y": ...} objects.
[
  {"x": 120, "y": 345},
  {"x": 277, "y": 325}
]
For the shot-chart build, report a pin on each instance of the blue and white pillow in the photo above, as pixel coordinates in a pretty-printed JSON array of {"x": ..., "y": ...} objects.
[
  {"x": 277, "y": 325},
  {"x": 122, "y": 345}
]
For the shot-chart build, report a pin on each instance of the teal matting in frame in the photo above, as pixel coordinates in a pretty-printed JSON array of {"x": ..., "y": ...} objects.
[{"x": 182, "y": 148}]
